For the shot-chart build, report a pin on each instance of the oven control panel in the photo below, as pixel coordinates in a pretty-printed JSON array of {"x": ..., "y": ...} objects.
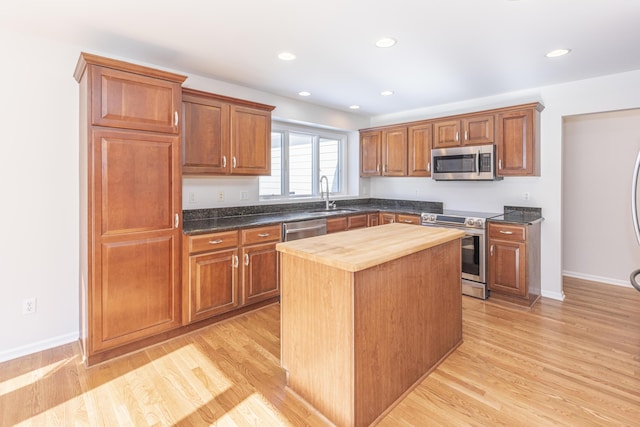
[{"x": 452, "y": 220}]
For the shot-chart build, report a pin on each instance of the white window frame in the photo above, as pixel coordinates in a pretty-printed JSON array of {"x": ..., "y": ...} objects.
[{"x": 317, "y": 133}]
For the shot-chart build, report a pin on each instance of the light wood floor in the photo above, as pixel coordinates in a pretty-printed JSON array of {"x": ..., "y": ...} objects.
[{"x": 575, "y": 363}]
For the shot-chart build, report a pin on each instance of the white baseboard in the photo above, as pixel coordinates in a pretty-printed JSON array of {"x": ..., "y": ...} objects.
[
  {"x": 592, "y": 278},
  {"x": 24, "y": 350},
  {"x": 553, "y": 295}
]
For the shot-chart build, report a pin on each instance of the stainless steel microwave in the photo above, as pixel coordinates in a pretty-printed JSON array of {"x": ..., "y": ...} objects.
[{"x": 468, "y": 163}]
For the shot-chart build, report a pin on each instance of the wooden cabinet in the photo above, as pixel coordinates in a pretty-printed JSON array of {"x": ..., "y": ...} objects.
[
  {"x": 387, "y": 218},
  {"x": 210, "y": 275},
  {"x": 514, "y": 262},
  {"x": 370, "y": 153},
  {"x": 373, "y": 219},
  {"x": 467, "y": 130},
  {"x": 344, "y": 223},
  {"x": 420, "y": 137},
  {"x": 518, "y": 143},
  {"x": 223, "y": 136},
  {"x": 260, "y": 278},
  {"x": 228, "y": 270},
  {"x": 394, "y": 151},
  {"x": 130, "y": 204}
]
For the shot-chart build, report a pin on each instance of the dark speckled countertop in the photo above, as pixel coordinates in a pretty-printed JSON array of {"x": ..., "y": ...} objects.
[
  {"x": 519, "y": 215},
  {"x": 201, "y": 221}
]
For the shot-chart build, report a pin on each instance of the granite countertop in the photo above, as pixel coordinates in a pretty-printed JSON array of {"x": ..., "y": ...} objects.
[
  {"x": 202, "y": 221},
  {"x": 519, "y": 215}
]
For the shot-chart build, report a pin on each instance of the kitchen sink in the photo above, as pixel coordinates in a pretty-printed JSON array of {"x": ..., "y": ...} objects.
[{"x": 333, "y": 211}]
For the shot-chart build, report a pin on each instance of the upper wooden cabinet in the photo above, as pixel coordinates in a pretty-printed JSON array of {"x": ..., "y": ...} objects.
[
  {"x": 405, "y": 149},
  {"x": 419, "y": 152},
  {"x": 394, "y": 151},
  {"x": 223, "y": 136},
  {"x": 518, "y": 142},
  {"x": 370, "y": 153},
  {"x": 471, "y": 130},
  {"x": 137, "y": 98}
]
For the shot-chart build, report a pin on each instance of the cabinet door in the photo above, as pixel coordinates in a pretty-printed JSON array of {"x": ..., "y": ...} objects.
[
  {"x": 478, "y": 130},
  {"x": 260, "y": 278},
  {"x": 133, "y": 101},
  {"x": 213, "y": 283},
  {"x": 394, "y": 152},
  {"x": 516, "y": 146},
  {"x": 136, "y": 241},
  {"x": 507, "y": 267},
  {"x": 250, "y": 141},
  {"x": 387, "y": 218},
  {"x": 446, "y": 134},
  {"x": 205, "y": 136},
  {"x": 356, "y": 221},
  {"x": 373, "y": 220},
  {"x": 420, "y": 139},
  {"x": 337, "y": 224},
  {"x": 370, "y": 152}
]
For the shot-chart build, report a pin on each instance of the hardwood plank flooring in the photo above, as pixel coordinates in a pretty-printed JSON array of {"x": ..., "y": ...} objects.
[{"x": 574, "y": 363}]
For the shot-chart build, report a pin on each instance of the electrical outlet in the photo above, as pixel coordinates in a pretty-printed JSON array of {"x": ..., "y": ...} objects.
[
  {"x": 192, "y": 197},
  {"x": 221, "y": 196},
  {"x": 28, "y": 306},
  {"x": 244, "y": 195},
  {"x": 525, "y": 196}
]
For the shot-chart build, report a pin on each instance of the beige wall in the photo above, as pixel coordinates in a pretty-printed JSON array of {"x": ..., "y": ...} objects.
[{"x": 598, "y": 157}]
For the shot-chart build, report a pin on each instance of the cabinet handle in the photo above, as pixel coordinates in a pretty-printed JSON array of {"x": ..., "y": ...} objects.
[
  {"x": 466, "y": 135},
  {"x": 235, "y": 261},
  {"x": 175, "y": 118},
  {"x": 408, "y": 221},
  {"x": 491, "y": 250},
  {"x": 215, "y": 242},
  {"x": 506, "y": 232},
  {"x": 500, "y": 164},
  {"x": 246, "y": 259},
  {"x": 234, "y": 162},
  {"x": 428, "y": 166},
  {"x": 177, "y": 221},
  {"x": 378, "y": 167},
  {"x": 263, "y": 235},
  {"x": 384, "y": 169},
  {"x": 456, "y": 136},
  {"x": 224, "y": 161}
]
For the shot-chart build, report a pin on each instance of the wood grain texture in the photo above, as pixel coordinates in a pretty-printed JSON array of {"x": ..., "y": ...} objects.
[
  {"x": 571, "y": 363},
  {"x": 363, "y": 248}
]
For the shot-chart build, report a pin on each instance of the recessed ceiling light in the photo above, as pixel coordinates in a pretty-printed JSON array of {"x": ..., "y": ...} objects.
[
  {"x": 304, "y": 93},
  {"x": 386, "y": 93},
  {"x": 386, "y": 42},
  {"x": 287, "y": 56},
  {"x": 557, "y": 52},
  {"x": 354, "y": 107}
]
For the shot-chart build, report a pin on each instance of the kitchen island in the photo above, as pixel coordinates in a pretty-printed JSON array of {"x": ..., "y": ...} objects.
[{"x": 366, "y": 314}]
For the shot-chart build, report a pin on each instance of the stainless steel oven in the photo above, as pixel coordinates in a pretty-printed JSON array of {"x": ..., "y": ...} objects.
[{"x": 474, "y": 246}]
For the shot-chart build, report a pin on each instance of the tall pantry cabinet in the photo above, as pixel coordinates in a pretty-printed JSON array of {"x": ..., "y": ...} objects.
[{"x": 130, "y": 204}]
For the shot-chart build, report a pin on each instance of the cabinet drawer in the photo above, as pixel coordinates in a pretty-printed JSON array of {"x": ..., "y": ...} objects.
[
  {"x": 213, "y": 241},
  {"x": 408, "y": 219},
  {"x": 337, "y": 224},
  {"x": 272, "y": 233},
  {"x": 515, "y": 233}
]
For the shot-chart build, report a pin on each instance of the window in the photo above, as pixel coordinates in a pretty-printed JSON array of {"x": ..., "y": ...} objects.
[{"x": 299, "y": 157}]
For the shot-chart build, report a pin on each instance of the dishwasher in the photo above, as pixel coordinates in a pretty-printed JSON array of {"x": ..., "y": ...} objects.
[{"x": 301, "y": 229}]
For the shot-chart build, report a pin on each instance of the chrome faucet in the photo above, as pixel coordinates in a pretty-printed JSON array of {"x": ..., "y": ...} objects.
[{"x": 324, "y": 177}]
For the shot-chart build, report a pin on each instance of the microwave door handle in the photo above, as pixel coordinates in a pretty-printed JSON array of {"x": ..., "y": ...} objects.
[{"x": 478, "y": 163}]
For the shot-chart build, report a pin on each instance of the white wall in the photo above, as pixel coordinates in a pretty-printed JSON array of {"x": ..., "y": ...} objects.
[
  {"x": 39, "y": 184},
  {"x": 609, "y": 93},
  {"x": 598, "y": 159}
]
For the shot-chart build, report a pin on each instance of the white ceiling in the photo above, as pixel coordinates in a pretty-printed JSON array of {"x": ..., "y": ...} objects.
[{"x": 447, "y": 50}]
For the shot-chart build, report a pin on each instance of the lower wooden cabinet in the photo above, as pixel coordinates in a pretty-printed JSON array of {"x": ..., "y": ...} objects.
[
  {"x": 344, "y": 223},
  {"x": 373, "y": 220},
  {"x": 408, "y": 219},
  {"x": 387, "y": 218},
  {"x": 260, "y": 279},
  {"x": 514, "y": 262},
  {"x": 228, "y": 270}
]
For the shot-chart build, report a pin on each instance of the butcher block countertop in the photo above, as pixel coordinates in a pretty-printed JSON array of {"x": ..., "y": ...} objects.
[{"x": 357, "y": 250}]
